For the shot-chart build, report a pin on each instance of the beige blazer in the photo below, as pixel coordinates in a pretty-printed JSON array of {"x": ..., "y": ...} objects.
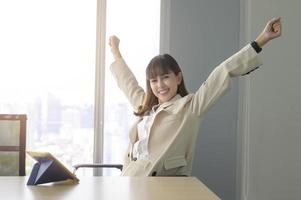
[{"x": 174, "y": 131}]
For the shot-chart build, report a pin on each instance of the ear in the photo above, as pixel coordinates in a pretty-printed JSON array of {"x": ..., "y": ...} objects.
[{"x": 179, "y": 78}]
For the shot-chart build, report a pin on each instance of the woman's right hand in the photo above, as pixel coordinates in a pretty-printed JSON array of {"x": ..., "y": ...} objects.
[{"x": 114, "y": 44}]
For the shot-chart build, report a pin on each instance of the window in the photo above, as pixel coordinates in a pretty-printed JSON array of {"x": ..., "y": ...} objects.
[
  {"x": 137, "y": 24},
  {"x": 47, "y": 71}
]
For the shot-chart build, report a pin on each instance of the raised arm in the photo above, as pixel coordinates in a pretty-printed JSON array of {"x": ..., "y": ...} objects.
[
  {"x": 241, "y": 63},
  {"x": 114, "y": 44},
  {"x": 124, "y": 77},
  {"x": 271, "y": 30}
]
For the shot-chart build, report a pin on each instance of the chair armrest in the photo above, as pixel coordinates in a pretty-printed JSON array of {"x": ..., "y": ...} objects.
[{"x": 95, "y": 165}]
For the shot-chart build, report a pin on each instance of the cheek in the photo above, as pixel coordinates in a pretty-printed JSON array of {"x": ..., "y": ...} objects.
[
  {"x": 153, "y": 87},
  {"x": 174, "y": 85},
  {"x": 176, "y": 88}
]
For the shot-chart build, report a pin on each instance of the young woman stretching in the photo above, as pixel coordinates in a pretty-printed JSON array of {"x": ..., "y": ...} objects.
[{"x": 162, "y": 141}]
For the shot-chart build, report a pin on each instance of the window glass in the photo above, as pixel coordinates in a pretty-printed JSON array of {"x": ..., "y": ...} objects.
[
  {"x": 137, "y": 24},
  {"x": 47, "y": 72}
]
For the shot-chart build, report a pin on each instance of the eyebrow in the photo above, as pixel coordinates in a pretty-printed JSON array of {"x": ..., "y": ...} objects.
[{"x": 160, "y": 75}]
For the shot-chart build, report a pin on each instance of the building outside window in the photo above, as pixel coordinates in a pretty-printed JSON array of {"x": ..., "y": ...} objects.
[{"x": 47, "y": 63}]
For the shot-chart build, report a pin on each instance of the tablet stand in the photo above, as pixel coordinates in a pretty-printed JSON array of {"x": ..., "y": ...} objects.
[{"x": 45, "y": 171}]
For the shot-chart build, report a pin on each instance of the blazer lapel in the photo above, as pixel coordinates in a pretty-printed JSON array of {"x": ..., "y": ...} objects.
[
  {"x": 177, "y": 105},
  {"x": 133, "y": 135}
]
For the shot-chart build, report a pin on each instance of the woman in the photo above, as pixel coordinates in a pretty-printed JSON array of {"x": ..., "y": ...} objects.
[{"x": 162, "y": 141}]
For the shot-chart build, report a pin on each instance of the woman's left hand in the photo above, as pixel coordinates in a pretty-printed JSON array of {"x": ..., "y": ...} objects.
[{"x": 272, "y": 30}]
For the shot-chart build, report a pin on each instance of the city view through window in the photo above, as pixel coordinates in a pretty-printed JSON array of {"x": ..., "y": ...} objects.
[{"x": 48, "y": 72}]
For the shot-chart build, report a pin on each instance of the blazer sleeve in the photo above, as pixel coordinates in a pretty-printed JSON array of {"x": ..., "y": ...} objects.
[
  {"x": 127, "y": 82},
  {"x": 218, "y": 82}
]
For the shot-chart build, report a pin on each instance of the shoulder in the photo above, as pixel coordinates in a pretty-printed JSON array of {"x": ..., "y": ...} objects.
[{"x": 179, "y": 104}]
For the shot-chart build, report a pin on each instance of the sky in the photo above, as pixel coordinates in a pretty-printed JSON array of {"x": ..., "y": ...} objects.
[{"x": 50, "y": 45}]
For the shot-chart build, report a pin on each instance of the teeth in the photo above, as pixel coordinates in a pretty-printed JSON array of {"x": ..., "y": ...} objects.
[{"x": 163, "y": 91}]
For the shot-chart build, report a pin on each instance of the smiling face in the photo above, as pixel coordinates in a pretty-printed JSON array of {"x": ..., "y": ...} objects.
[
  {"x": 163, "y": 81},
  {"x": 165, "y": 86}
]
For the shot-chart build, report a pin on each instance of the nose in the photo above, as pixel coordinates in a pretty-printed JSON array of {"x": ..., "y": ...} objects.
[{"x": 160, "y": 83}]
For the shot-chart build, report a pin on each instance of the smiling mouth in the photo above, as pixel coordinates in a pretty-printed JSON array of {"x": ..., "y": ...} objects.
[{"x": 163, "y": 92}]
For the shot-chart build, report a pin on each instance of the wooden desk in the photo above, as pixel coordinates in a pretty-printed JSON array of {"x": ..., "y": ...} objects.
[{"x": 109, "y": 188}]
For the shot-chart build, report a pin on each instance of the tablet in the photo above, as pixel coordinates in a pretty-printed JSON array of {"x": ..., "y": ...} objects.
[{"x": 48, "y": 169}]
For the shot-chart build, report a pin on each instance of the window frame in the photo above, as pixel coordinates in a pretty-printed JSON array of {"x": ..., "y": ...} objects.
[{"x": 99, "y": 85}]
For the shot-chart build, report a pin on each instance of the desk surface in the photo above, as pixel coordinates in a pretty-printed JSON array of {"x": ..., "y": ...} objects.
[{"x": 109, "y": 188}]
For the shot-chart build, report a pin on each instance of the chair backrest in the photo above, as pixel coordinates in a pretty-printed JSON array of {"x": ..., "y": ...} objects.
[{"x": 12, "y": 144}]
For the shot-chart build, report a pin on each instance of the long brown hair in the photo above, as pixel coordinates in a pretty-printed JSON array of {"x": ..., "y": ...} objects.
[{"x": 159, "y": 65}]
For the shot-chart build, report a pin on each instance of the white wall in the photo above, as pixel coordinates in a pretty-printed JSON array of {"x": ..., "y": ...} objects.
[{"x": 272, "y": 116}]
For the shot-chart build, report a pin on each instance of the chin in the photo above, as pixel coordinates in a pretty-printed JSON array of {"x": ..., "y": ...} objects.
[{"x": 164, "y": 100}]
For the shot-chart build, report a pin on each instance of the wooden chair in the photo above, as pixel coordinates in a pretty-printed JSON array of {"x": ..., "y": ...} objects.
[{"x": 12, "y": 144}]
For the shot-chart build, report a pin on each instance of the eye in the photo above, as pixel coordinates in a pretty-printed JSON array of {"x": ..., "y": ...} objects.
[
  {"x": 166, "y": 76},
  {"x": 153, "y": 80}
]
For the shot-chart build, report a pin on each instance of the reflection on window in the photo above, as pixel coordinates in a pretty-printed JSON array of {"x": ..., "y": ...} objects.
[
  {"x": 47, "y": 72},
  {"x": 137, "y": 24}
]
